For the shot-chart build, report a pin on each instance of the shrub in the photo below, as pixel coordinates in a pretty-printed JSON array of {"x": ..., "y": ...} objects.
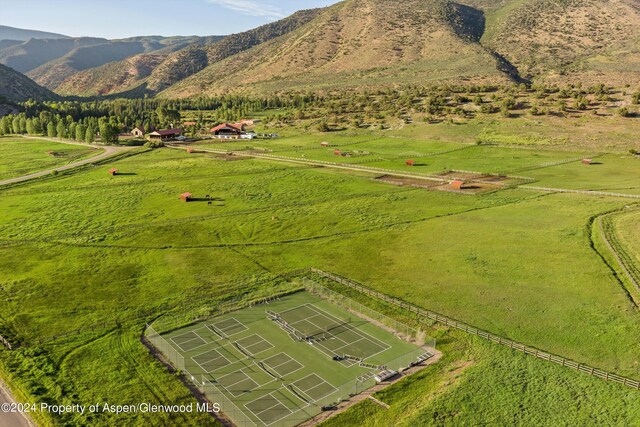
[
  {"x": 154, "y": 144},
  {"x": 624, "y": 112}
]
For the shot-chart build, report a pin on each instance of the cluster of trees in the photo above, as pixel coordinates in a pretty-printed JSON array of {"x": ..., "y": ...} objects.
[
  {"x": 56, "y": 126},
  {"x": 83, "y": 120}
]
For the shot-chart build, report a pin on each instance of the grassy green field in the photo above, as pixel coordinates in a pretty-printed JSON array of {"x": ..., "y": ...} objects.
[
  {"x": 628, "y": 232},
  {"x": 20, "y": 156},
  {"x": 611, "y": 172},
  {"x": 516, "y": 263}
]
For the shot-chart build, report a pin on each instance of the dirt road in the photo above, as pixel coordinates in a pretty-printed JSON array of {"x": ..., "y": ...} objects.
[
  {"x": 11, "y": 419},
  {"x": 108, "y": 151}
]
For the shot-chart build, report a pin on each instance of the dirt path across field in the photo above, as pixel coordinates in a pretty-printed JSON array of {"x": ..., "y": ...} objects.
[{"x": 108, "y": 151}]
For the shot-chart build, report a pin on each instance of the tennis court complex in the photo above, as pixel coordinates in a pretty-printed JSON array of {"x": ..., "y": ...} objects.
[{"x": 280, "y": 363}]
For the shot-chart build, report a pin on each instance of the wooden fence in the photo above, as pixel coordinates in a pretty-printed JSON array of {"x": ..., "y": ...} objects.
[
  {"x": 7, "y": 344},
  {"x": 556, "y": 163},
  {"x": 623, "y": 260},
  {"x": 587, "y": 192},
  {"x": 563, "y": 361},
  {"x": 358, "y": 167}
]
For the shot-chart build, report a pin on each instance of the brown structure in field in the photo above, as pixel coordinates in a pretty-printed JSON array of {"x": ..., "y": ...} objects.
[
  {"x": 113, "y": 172},
  {"x": 457, "y": 184},
  {"x": 137, "y": 132},
  {"x": 410, "y": 163},
  {"x": 185, "y": 197},
  {"x": 190, "y": 150},
  {"x": 587, "y": 161},
  {"x": 337, "y": 152},
  {"x": 324, "y": 144},
  {"x": 164, "y": 135}
]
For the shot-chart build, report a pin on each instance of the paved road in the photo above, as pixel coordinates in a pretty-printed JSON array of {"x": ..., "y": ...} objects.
[
  {"x": 108, "y": 152},
  {"x": 11, "y": 419}
]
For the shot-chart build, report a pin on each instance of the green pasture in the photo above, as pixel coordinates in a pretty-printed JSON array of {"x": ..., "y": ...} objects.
[
  {"x": 82, "y": 247},
  {"x": 618, "y": 173},
  {"x": 627, "y": 228},
  {"x": 484, "y": 159},
  {"x": 22, "y": 156}
]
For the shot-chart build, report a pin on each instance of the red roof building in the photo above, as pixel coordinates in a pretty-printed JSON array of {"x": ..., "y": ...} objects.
[
  {"x": 226, "y": 129},
  {"x": 186, "y": 197},
  {"x": 457, "y": 185},
  {"x": 113, "y": 171},
  {"x": 410, "y": 163},
  {"x": 587, "y": 161}
]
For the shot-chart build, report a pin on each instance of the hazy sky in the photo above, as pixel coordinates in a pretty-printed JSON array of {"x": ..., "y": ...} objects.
[{"x": 126, "y": 18}]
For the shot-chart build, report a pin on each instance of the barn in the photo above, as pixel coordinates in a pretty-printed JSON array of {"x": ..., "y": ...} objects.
[
  {"x": 225, "y": 129},
  {"x": 186, "y": 197},
  {"x": 164, "y": 135},
  {"x": 587, "y": 161},
  {"x": 113, "y": 171},
  {"x": 410, "y": 163}
]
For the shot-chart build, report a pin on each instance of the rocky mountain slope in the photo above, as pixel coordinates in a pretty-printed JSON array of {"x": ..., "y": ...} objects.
[
  {"x": 16, "y": 87},
  {"x": 150, "y": 74},
  {"x": 360, "y": 42}
]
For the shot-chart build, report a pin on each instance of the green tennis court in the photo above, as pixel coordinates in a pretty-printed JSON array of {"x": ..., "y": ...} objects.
[{"x": 280, "y": 363}]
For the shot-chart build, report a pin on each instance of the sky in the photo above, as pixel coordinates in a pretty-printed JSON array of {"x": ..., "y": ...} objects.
[{"x": 126, "y": 18}]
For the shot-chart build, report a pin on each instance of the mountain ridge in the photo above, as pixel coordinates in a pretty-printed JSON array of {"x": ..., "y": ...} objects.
[
  {"x": 358, "y": 43},
  {"x": 21, "y": 34}
]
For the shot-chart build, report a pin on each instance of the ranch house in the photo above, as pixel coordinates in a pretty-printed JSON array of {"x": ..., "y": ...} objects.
[{"x": 137, "y": 132}]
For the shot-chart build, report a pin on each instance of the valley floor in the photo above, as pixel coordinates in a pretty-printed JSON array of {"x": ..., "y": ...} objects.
[{"x": 108, "y": 253}]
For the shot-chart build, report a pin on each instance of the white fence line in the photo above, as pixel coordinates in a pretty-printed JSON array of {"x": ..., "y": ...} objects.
[{"x": 587, "y": 192}]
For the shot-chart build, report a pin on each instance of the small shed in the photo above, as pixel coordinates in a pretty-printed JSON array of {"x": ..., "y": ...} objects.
[
  {"x": 337, "y": 152},
  {"x": 324, "y": 144},
  {"x": 186, "y": 197},
  {"x": 113, "y": 171},
  {"x": 137, "y": 132},
  {"x": 190, "y": 150},
  {"x": 587, "y": 161},
  {"x": 410, "y": 163},
  {"x": 457, "y": 184}
]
